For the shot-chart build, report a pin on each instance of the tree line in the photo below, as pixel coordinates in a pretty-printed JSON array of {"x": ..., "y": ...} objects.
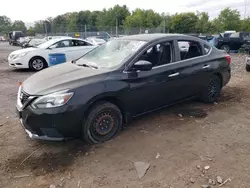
[{"x": 120, "y": 17}]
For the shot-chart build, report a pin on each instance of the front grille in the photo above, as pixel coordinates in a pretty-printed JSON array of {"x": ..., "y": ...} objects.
[{"x": 24, "y": 97}]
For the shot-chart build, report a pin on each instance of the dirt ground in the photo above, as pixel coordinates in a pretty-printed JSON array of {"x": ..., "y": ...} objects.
[{"x": 173, "y": 141}]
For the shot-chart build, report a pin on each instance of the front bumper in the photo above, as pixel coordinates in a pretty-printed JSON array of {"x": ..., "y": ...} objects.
[
  {"x": 18, "y": 63},
  {"x": 37, "y": 137},
  {"x": 55, "y": 124}
]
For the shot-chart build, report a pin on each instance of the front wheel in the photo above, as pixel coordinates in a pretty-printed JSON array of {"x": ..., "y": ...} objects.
[
  {"x": 103, "y": 122},
  {"x": 248, "y": 68},
  {"x": 37, "y": 63},
  {"x": 212, "y": 90},
  {"x": 226, "y": 48}
]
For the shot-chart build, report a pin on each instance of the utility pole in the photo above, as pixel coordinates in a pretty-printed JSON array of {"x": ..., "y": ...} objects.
[
  {"x": 245, "y": 12},
  {"x": 164, "y": 29},
  {"x": 116, "y": 27},
  {"x": 85, "y": 31},
  {"x": 46, "y": 30}
]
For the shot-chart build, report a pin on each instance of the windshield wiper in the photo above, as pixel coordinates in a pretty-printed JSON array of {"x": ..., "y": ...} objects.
[{"x": 87, "y": 65}]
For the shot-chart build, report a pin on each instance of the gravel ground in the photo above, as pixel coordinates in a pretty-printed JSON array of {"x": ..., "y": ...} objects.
[{"x": 177, "y": 143}]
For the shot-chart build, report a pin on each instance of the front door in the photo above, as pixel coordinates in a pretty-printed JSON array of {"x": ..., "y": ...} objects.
[
  {"x": 155, "y": 88},
  {"x": 62, "y": 47}
]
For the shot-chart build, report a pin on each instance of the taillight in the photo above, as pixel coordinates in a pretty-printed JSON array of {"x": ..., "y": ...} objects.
[{"x": 228, "y": 57}]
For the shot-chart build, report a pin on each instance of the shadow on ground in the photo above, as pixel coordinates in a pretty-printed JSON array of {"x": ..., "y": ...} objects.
[{"x": 47, "y": 157}]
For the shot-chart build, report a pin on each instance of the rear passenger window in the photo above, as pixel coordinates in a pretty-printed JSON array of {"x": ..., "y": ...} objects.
[
  {"x": 80, "y": 43},
  {"x": 189, "y": 49}
]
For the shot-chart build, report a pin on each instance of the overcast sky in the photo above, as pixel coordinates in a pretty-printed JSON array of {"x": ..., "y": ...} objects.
[{"x": 32, "y": 10}]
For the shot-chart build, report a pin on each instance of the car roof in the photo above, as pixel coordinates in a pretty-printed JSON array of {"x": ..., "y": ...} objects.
[
  {"x": 64, "y": 38},
  {"x": 156, "y": 36}
]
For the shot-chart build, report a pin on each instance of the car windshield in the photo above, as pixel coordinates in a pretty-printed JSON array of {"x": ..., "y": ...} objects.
[{"x": 111, "y": 54}]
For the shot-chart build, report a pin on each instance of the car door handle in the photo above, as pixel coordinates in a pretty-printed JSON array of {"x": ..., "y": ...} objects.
[
  {"x": 206, "y": 66},
  {"x": 173, "y": 75}
]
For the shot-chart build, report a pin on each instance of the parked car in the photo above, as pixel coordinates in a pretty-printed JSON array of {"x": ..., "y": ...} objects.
[
  {"x": 33, "y": 42},
  {"x": 2, "y": 39},
  {"x": 248, "y": 64},
  {"x": 22, "y": 40},
  {"x": 41, "y": 56},
  {"x": 234, "y": 41},
  {"x": 14, "y": 36},
  {"x": 95, "y": 95},
  {"x": 213, "y": 40},
  {"x": 96, "y": 41},
  {"x": 227, "y": 33}
]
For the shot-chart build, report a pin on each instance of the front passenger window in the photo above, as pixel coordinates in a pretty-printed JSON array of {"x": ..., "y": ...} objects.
[{"x": 159, "y": 54}]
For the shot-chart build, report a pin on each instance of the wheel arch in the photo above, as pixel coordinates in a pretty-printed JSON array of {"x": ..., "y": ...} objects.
[
  {"x": 112, "y": 99},
  {"x": 219, "y": 75},
  {"x": 38, "y": 56}
]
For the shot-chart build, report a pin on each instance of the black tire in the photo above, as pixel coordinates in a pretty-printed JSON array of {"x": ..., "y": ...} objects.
[
  {"x": 41, "y": 63},
  {"x": 226, "y": 48},
  {"x": 212, "y": 90},
  {"x": 93, "y": 129},
  {"x": 248, "y": 68}
]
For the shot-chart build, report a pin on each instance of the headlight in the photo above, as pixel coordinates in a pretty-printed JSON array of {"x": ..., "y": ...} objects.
[
  {"x": 18, "y": 55},
  {"x": 52, "y": 100},
  {"x": 22, "y": 54}
]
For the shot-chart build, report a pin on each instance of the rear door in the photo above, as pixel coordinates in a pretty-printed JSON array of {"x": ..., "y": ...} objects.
[{"x": 194, "y": 67}]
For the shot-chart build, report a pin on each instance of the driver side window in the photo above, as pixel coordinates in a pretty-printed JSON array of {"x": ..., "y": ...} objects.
[{"x": 159, "y": 54}]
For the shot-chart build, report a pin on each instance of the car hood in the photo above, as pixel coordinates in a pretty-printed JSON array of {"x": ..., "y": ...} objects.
[
  {"x": 17, "y": 52},
  {"x": 61, "y": 77}
]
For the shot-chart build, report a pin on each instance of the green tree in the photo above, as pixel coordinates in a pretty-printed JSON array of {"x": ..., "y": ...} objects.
[
  {"x": 19, "y": 25},
  {"x": 228, "y": 20},
  {"x": 203, "y": 24},
  {"x": 72, "y": 25},
  {"x": 83, "y": 18},
  {"x": 60, "y": 23},
  {"x": 166, "y": 22},
  {"x": 113, "y": 16},
  {"x": 31, "y": 32},
  {"x": 184, "y": 23},
  {"x": 5, "y": 24},
  {"x": 39, "y": 27},
  {"x": 245, "y": 25},
  {"x": 143, "y": 19}
]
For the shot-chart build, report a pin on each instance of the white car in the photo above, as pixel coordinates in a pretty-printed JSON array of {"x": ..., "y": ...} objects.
[
  {"x": 44, "y": 55},
  {"x": 96, "y": 41}
]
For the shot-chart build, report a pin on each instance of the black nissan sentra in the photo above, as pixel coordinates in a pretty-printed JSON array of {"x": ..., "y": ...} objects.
[{"x": 93, "y": 97}]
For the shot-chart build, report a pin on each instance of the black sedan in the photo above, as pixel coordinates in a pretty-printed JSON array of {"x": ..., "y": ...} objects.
[{"x": 93, "y": 97}]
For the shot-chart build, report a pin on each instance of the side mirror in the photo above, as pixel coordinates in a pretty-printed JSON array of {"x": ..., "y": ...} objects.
[{"x": 143, "y": 65}]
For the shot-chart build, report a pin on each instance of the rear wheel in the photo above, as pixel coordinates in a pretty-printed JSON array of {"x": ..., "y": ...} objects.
[
  {"x": 212, "y": 90},
  {"x": 248, "y": 68},
  {"x": 103, "y": 122},
  {"x": 37, "y": 63}
]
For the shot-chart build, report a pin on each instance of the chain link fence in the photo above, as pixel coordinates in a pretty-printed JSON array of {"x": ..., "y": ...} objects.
[{"x": 84, "y": 31}]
